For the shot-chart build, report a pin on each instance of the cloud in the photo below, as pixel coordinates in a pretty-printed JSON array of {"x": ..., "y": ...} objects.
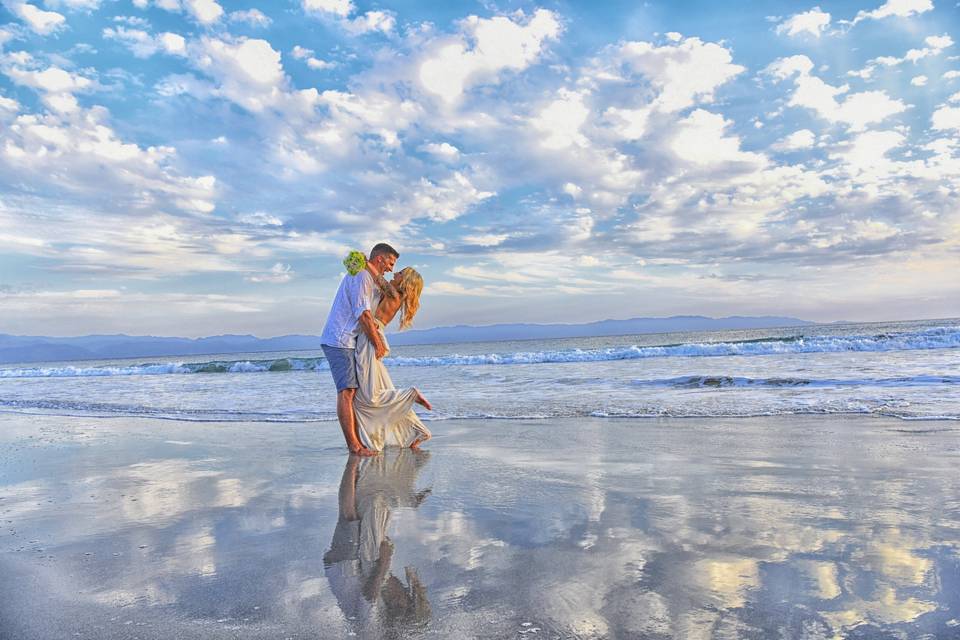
[
  {"x": 341, "y": 8},
  {"x": 369, "y": 22},
  {"x": 919, "y": 81},
  {"x": 701, "y": 139},
  {"x": 684, "y": 73},
  {"x": 482, "y": 50},
  {"x": 485, "y": 240},
  {"x": 802, "y": 139},
  {"x": 895, "y": 8},
  {"x": 783, "y": 68},
  {"x": 248, "y": 70},
  {"x": 89, "y": 159},
  {"x": 260, "y": 219},
  {"x": 934, "y": 46},
  {"x": 252, "y": 17},
  {"x": 302, "y": 53},
  {"x": 144, "y": 45},
  {"x": 812, "y": 22},
  {"x": 444, "y": 200},
  {"x": 278, "y": 274},
  {"x": 857, "y": 110},
  {"x": 559, "y": 122},
  {"x": 38, "y": 20},
  {"x": 946, "y": 119},
  {"x": 443, "y": 150},
  {"x": 205, "y": 12}
]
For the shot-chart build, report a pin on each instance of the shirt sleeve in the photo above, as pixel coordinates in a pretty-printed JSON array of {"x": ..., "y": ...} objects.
[{"x": 362, "y": 295}]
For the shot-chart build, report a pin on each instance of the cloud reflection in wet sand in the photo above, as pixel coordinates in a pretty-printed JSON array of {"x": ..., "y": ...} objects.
[{"x": 673, "y": 529}]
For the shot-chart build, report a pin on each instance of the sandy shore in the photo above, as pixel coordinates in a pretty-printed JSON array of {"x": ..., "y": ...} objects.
[{"x": 816, "y": 527}]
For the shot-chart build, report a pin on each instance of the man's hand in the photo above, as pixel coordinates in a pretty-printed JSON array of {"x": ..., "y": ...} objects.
[{"x": 380, "y": 349}]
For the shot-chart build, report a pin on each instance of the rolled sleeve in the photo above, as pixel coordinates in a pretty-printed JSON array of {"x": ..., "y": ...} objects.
[{"x": 362, "y": 295}]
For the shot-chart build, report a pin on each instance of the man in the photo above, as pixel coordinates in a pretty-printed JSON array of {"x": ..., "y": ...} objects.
[{"x": 352, "y": 312}]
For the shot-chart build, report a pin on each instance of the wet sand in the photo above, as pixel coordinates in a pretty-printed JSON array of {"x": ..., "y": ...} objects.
[{"x": 813, "y": 527}]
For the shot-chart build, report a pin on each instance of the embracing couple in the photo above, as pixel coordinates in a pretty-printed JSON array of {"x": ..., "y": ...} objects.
[{"x": 371, "y": 411}]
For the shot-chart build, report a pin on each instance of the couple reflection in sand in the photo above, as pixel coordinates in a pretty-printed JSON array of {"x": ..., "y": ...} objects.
[{"x": 358, "y": 564}]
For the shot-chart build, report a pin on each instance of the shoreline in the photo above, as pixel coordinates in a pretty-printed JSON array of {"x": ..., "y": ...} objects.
[{"x": 831, "y": 526}]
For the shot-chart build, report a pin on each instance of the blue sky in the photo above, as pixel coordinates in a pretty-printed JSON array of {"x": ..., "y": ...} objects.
[{"x": 194, "y": 167}]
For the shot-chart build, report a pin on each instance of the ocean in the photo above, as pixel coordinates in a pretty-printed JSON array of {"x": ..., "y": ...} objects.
[{"x": 906, "y": 370}]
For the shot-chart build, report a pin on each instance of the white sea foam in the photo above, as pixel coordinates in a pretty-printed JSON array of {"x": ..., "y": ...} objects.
[{"x": 716, "y": 382}]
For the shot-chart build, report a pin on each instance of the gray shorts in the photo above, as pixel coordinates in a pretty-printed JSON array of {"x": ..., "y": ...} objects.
[{"x": 343, "y": 366}]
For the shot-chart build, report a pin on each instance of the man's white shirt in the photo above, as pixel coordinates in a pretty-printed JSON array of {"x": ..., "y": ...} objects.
[{"x": 354, "y": 296}]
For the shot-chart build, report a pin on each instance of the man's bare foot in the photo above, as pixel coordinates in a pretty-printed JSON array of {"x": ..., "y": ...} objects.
[
  {"x": 364, "y": 452},
  {"x": 421, "y": 400}
]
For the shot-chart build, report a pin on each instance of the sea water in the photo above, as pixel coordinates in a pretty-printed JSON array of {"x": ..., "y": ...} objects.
[{"x": 908, "y": 370}]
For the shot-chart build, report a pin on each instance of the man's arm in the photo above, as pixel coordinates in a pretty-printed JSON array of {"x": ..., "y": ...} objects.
[
  {"x": 386, "y": 287},
  {"x": 369, "y": 327}
]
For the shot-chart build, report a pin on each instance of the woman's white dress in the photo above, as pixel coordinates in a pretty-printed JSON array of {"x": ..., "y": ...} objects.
[{"x": 384, "y": 414}]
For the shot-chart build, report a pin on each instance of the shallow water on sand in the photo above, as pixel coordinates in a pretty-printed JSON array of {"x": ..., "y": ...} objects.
[{"x": 816, "y": 527}]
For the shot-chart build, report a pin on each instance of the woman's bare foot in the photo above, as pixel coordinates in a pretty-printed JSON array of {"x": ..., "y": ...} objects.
[
  {"x": 415, "y": 445},
  {"x": 421, "y": 400}
]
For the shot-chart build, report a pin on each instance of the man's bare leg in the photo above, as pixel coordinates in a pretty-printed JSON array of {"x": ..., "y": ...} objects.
[
  {"x": 348, "y": 423},
  {"x": 422, "y": 400}
]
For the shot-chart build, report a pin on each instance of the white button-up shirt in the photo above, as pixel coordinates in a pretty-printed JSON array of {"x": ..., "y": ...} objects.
[{"x": 354, "y": 296}]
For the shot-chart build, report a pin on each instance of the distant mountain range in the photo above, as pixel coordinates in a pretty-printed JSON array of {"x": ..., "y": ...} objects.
[{"x": 96, "y": 347}]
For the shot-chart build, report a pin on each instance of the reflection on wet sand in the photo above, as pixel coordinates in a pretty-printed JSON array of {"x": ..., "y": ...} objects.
[
  {"x": 358, "y": 564},
  {"x": 747, "y": 529}
]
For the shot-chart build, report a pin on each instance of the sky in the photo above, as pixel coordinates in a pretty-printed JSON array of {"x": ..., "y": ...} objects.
[{"x": 195, "y": 167}]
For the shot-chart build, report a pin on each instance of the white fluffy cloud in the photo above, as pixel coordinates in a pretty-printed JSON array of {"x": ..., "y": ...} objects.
[
  {"x": 482, "y": 50},
  {"x": 248, "y": 70},
  {"x": 302, "y": 53},
  {"x": 206, "y": 12},
  {"x": 812, "y": 22},
  {"x": 144, "y": 45},
  {"x": 252, "y": 17},
  {"x": 684, "y": 73},
  {"x": 946, "y": 118},
  {"x": 919, "y": 81},
  {"x": 934, "y": 46},
  {"x": 896, "y": 8},
  {"x": 38, "y": 20},
  {"x": 369, "y": 22},
  {"x": 443, "y": 150},
  {"x": 444, "y": 200},
  {"x": 279, "y": 273},
  {"x": 341, "y": 11},
  {"x": 701, "y": 139},
  {"x": 857, "y": 110},
  {"x": 341, "y": 8},
  {"x": 802, "y": 139}
]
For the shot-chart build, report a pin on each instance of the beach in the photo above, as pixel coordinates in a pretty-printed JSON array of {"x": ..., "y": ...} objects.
[{"x": 765, "y": 527}]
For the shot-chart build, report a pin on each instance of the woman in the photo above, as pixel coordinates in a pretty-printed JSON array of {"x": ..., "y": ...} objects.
[{"x": 384, "y": 414}]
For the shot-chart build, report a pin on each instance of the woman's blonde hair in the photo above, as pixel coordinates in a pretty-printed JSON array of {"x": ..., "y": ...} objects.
[{"x": 410, "y": 289}]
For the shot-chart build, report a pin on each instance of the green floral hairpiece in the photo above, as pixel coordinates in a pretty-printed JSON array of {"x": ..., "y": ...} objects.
[{"x": 355, "y": 262}]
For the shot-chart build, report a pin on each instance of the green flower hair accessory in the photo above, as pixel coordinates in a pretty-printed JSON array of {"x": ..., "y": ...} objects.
[{"x": 355, "y": 262}]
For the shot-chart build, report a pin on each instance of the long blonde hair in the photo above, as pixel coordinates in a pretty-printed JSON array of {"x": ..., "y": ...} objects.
[{"x": 410, "y": 288}]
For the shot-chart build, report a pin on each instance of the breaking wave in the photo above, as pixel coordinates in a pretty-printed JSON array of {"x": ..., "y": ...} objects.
[{"x": 934, "y": 338}]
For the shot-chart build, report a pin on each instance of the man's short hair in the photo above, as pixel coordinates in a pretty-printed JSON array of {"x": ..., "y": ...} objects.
[{"x": 383, "y": 249}]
